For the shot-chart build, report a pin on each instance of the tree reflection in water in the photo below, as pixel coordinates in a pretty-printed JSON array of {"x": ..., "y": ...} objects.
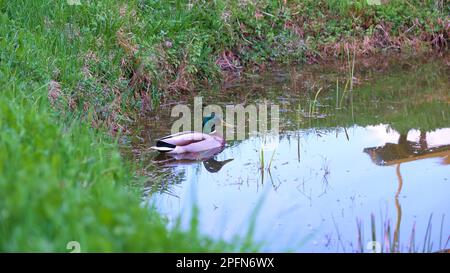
[{"x": 402, "y": 152}]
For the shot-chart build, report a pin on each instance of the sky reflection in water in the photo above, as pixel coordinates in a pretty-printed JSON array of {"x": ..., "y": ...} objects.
[
  {"x": 325, "y": 181},
  {"x": 319, "y": 195}
]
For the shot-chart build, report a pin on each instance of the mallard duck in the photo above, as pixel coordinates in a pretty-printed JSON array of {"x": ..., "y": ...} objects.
[{"x": 191, "y": 141}]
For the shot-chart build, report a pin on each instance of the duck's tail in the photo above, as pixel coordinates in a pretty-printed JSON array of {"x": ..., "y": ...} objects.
[{"x": 163, "y": 147}]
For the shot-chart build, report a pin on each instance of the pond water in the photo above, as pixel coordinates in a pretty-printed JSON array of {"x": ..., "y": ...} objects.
[{"x": 346, "y": 169}]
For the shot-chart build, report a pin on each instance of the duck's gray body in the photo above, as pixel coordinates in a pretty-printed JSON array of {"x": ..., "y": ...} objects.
[{"x": 188, "y": 142}]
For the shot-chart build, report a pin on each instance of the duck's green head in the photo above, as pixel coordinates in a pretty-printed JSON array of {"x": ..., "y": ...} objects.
[{"x": 209, "y": 123}]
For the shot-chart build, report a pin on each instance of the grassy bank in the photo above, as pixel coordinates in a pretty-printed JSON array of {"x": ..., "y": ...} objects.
[
  {"x": 61, "y": 179},
  {"x": 69, "y": 71},
  {"x": 69, "y": 183},
  {"x": 113, "y": 59},
  {"x": 62, "y": 182}
]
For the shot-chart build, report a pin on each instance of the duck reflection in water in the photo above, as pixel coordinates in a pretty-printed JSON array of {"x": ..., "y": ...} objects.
[{"x": 208, "y": 157}]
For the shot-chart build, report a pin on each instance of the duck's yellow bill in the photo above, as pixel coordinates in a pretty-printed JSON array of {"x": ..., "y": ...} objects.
[{"x": 227, "y": 124}]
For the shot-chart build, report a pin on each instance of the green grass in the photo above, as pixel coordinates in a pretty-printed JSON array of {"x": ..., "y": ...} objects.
[
  {"x": 119, "y": 58},
  {"x": 61, "y": 179},
  {"x": 60, "y": 183}
]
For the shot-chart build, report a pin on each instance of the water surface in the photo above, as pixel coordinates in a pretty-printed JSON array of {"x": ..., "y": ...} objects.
[{"x": 368, "y": 165}]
